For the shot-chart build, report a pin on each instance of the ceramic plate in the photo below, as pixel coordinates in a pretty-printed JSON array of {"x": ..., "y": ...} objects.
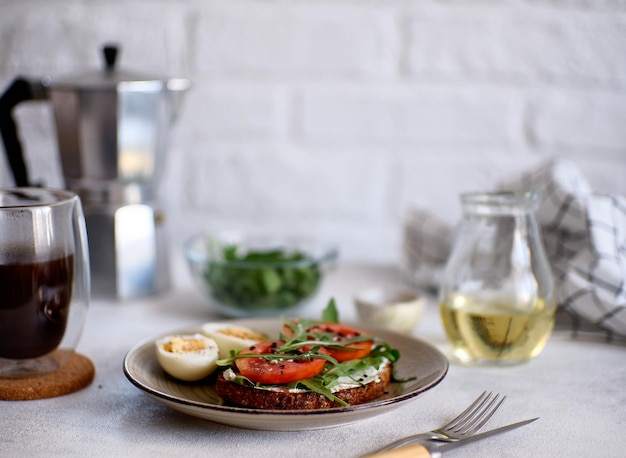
[{"x": 418, "y": 359}]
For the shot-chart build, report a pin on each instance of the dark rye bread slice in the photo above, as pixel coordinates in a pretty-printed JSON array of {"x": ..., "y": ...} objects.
[{"x": 259, "y": 398}]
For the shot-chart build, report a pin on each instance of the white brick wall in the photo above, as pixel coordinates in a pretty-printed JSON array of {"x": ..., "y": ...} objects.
[{"x": 331, "y": 118}]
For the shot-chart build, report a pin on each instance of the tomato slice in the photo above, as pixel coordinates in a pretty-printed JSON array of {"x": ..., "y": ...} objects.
[
  {"x": 341, "y": 333},
  {"x": 270, "y": 372}
]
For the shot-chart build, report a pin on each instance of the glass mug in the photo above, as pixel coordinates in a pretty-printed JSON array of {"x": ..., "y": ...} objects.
[
  {"x": 44, "y": 279},
  {"x": 497, "y": 297}
]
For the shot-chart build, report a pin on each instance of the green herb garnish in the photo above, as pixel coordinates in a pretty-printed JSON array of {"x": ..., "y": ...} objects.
[{"x": 330, "y": 314}]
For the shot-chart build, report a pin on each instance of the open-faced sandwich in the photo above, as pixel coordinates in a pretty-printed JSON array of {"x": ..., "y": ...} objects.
[{"x": 314, "y": 364}]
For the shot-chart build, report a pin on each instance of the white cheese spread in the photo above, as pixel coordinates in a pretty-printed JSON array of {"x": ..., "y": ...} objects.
[{"x": 358, "y": 378}]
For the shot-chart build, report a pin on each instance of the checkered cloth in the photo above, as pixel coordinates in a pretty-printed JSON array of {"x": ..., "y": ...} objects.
[
  {"x": 584, "y": 234},
  {"x": 426, "y": 245}
]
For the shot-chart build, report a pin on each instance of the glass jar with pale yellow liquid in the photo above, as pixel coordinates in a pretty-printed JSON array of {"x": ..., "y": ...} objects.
[{"x": 497, "y": 298}]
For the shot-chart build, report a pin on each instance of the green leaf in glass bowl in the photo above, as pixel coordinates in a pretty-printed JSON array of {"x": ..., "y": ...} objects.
[{"x": 265, "y": 280}]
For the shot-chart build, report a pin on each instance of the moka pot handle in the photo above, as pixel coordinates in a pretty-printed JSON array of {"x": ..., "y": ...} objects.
[{"x": 20, "y": 90}]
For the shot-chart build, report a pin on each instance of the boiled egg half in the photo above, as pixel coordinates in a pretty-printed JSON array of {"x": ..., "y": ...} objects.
[
  {"x": 187, "y": 357},
  {"x": 229, "y": 337}
]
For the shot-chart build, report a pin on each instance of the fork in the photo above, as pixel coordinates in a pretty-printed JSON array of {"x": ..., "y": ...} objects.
[{"x": 466, "y": 424}]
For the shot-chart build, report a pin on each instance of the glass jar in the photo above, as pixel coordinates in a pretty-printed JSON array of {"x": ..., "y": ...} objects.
[
  {"x": 497, "y": 297},
  {"x": 44, "y": 279}
]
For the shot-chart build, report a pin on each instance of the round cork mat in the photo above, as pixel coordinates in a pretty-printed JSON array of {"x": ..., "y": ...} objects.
[{"x": 75, "y": 375}]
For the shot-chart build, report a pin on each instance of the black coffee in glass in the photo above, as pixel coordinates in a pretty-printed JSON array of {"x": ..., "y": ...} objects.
[{"x": 34, "y": 306}]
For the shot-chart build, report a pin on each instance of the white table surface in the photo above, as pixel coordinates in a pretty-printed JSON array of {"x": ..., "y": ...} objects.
[{"x": 576, "y": 387}]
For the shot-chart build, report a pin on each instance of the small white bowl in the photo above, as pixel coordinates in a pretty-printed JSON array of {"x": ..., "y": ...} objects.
[{"x": 393, "y": 309}]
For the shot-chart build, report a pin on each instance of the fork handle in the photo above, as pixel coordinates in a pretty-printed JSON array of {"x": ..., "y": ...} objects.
[{"x": 408, "y": 451}]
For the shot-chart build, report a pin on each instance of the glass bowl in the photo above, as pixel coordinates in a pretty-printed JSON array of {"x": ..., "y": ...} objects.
[{"x": 257, "y": 276}]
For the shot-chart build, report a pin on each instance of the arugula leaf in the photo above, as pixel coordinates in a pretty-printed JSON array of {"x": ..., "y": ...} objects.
[
  {"x": 317, "y": 385},
  {"x": 271, "y": 280},
  {"x": 330, "y": 314}
]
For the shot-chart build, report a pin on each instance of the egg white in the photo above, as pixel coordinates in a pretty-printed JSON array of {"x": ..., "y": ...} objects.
[
  {"x": 189, "y": 366},
  {"x": 231, "y": 337}
]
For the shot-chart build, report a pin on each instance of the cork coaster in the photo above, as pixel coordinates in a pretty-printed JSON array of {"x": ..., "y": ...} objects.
[{"x": 75, "y": 375}]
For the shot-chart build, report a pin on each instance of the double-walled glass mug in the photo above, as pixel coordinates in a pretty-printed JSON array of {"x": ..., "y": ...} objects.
[
  {"x": 44, "y": 279},
  {"x": 497, "y": 296}
]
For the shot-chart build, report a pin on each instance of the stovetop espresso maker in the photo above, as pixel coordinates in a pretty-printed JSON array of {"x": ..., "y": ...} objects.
[{"x": 112, "y": 129}]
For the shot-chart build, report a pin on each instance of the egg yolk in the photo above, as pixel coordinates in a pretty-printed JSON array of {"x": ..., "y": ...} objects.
[
  {"x": 240, "y": 333},
  {"x": 179, "y": 345}
]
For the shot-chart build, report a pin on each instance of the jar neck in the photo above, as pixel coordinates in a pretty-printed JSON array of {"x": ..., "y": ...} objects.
[{"x": 500, "y": 203}]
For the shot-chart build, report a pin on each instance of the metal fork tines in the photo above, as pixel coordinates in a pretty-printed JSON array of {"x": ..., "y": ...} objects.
[{"x": 466, "y": 424}]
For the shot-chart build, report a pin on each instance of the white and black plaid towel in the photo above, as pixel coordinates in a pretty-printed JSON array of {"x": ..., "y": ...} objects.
[{"x": 584, "y": 234}]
